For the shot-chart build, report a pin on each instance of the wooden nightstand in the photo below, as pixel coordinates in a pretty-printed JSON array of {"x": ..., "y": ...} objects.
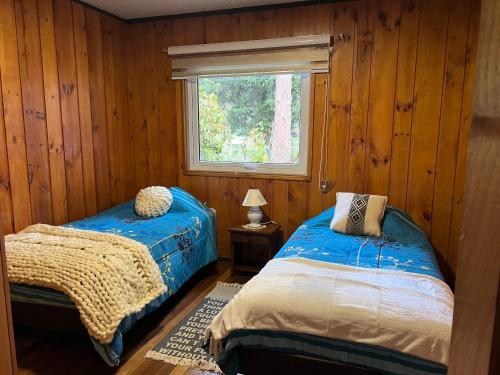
[{"x": 252, "y": 249}]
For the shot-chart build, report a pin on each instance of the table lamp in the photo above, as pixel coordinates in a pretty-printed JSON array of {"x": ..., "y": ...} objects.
[{"x": 254, "y": 199}]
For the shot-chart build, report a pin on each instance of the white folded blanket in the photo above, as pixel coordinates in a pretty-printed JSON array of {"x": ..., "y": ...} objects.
[{"x": 406, "y": 312}]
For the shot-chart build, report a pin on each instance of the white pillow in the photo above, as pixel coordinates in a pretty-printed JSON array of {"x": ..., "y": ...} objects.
[
  {"x": 153, "y": 201},
  {"x": 358, "y": 214}
]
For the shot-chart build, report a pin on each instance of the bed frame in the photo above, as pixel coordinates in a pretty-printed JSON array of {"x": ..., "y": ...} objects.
[
  {"x": 257, "y": 361},
  {"x": 67, "y": 320},
  {"x": 252, "y": 361},
  {"x": 57, "y": 319}
]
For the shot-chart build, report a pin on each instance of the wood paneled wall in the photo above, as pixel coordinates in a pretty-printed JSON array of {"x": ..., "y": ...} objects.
[
  {"x": 475, "y": 339},
  {"x": 8, "y": 362},
  {"x": 399, "y": 108},
  {"x": 90, "y": 114},
  {"x": 64, "y": 133}
]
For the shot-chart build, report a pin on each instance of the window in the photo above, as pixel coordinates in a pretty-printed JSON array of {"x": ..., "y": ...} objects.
[
  {"x": 248, "y": 123},
  {"x": 247, "y": 102}
]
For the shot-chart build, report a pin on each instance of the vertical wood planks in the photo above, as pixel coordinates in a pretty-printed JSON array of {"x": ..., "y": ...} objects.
[
  {"x": 8, "y": 365},
  {"x": 282, "y": 22},
  {"x": 30, "y": 64},
  {"x": 302, "y": 22},
  {"x": 426, "y": 112},
  {"x": 98, "y": 106},
  {"x": 199, "y": 187},
  {"x": 362, "y": 15},
  {"x": 109, "y": 65},
  {"x": 465, "y": 123},
  {"x": 262, "y": 24},
  {"x": 138, "y": 121},
  {"x": 296, "y": 206},
  {"x": 152, "y": 99},
  {"x": 68, "y": 86},
  {"x": 475, "y": 339},
  {"x": 279, "y": 210},
  {"x": 371, "y": 100},
  {"x": 451, "y": 107},
  {"x": 404, "y": 102},
  {"x": 228, "y": 214},
  {"x": 241, "y": 26},
  {"x": 386, "y": 23},
  {"x": 53, "y": 112},
  {"x": 126, "y": 170},
  {"x": 85, "y": 112},
  {"x": 13, "y": 117},
  {"x": 57, "y": 102},
  {"x": 6, "y": 219},
  {"x": 167, "y": 108},
  {"x": 213, "y": 201},
  {"x": 399, "y": 107}
]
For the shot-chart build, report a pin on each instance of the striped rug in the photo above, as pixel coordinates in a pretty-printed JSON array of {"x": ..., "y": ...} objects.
[{"x": 183, "y": 346}]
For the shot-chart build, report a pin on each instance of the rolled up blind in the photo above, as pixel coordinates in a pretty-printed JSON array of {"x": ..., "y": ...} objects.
[{"x": 303, "y": 54}]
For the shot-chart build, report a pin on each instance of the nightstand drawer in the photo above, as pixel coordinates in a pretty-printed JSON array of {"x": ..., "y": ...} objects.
[
  {"x": 252, "y": 249},
  {"x": 252, "y": 240}
]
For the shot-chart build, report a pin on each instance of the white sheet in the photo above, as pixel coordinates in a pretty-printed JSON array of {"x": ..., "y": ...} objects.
[{"x": 407, "y": 312}]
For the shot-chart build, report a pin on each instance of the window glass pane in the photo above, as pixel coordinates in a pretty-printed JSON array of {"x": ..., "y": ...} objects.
[{"x": 252, "y": 119}]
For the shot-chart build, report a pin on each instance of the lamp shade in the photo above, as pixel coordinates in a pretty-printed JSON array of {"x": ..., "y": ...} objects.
[{"x": 254, "y": 198}]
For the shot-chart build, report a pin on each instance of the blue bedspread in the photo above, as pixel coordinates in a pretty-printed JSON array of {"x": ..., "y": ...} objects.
[
  {"x": 181, "y": 242},
  {"x": 402, "y": 246}
]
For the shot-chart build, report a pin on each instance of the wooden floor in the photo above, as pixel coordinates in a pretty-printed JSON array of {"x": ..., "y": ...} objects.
[{"x": 43, "y": 352}]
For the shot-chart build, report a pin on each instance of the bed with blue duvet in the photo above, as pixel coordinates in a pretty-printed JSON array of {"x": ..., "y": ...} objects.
[
  {"x": 181, "y": 242},
  {"x": 397, "y": 268}
]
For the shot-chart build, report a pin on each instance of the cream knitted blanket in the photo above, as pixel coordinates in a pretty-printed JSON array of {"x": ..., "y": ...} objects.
[{"x": 108, "y": 277}]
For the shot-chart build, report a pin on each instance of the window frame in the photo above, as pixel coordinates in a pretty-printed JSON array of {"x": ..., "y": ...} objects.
[{"x": 195, "y": 165}]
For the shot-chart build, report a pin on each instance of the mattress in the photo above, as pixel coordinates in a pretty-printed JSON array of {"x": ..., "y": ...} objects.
[
  {"x": 181, "y": 242},
  {"x": 402, "y": 246}
]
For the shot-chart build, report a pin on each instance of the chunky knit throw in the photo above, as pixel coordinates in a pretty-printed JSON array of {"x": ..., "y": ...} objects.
[{"x": 108, "y": 277}]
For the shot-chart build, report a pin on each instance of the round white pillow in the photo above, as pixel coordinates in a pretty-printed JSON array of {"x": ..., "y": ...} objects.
[{"x": 153, "y": 201}]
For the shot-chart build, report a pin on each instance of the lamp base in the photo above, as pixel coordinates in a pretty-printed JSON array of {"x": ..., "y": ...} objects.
[
  {"x": 254, "y": 216},
  {"x": 253, "y": 226}
]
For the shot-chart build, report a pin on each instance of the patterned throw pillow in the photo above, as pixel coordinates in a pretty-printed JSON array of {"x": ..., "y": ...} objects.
[
  {"x": 153, "y": 201},
  {"x": 358, "y": 214}
]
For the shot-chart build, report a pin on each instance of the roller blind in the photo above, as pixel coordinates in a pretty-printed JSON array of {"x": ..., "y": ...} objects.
[{"x": 303, "y": 54}]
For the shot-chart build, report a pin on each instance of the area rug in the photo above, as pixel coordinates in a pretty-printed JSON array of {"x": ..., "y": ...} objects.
[{"x": 183, "y": 346}]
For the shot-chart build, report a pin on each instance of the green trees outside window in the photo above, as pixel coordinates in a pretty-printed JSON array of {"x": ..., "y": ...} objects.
[{"x": 253, "y": 119}]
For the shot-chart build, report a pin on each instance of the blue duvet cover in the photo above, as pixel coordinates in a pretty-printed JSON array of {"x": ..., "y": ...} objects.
[
  {"x": 181, "y": 242},
  {"x": 403, "y": 246}
]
